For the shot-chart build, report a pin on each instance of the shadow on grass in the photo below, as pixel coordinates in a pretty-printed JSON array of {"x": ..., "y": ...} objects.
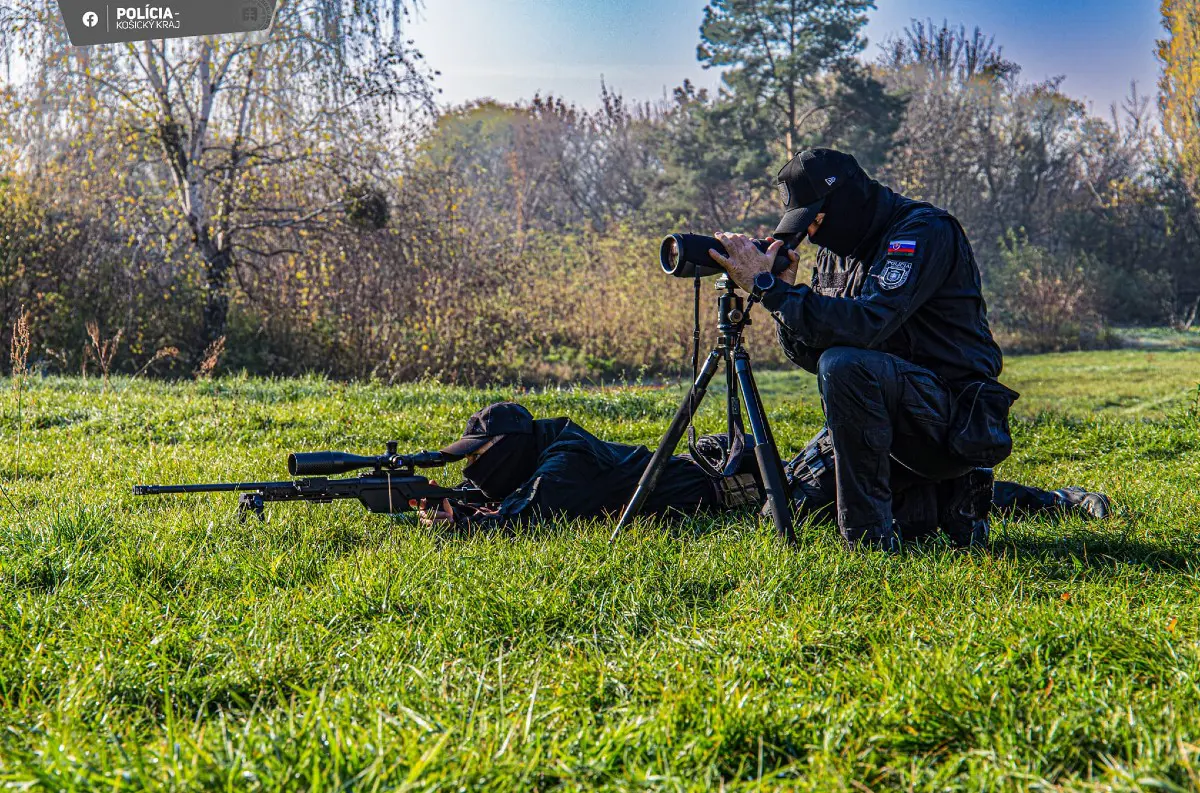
[
  {"x": 1095, "y": 551},
  {"x": 674, "y": 526},
  {"x": 1101, "y": 548}
]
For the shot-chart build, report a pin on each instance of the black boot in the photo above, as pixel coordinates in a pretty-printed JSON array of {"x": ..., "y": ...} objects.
[
  {"x": 886, "y": 540},
  {"x": 915, "y": 509},
  {"x": 963, "y": 506},
  {"x": 1080, "y": 501}
]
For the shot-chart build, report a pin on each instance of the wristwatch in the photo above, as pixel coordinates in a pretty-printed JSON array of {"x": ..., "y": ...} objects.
[{"x": 762, "y": 283}]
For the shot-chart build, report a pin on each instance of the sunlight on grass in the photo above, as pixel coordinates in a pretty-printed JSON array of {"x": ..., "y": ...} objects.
[{"x": 160, "y": 643}]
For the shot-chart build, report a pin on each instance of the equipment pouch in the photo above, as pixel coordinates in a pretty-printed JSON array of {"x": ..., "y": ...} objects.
[
  {"x": 979, "y": 432},
  {"x": 739, "y": 490}
]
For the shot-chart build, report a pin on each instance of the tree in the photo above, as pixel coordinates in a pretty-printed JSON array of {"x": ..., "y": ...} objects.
[
  {"x": 1179, "y": 102},
  {"x": 998, "y": 153},
  {"x": 947, "y": 53},
  {"x": 716, "y": 160},
  {"x": 779, "y": 54},
  {"x": 791, "y": 80},
  {"x": 547, "y": 163},
  {"x": 223, "y": 138},
  {"x": 1179, "y": 85}
]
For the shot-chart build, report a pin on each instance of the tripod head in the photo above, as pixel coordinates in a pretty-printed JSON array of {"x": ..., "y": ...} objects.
[{"x": 732, "y": 314}]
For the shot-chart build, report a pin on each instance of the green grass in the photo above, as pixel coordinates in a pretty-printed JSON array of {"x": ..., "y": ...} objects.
[
  {"x": 1159, "y": 338},
  {"x": 158, "y": 643},
  {"x": 1137, "y": 384}
]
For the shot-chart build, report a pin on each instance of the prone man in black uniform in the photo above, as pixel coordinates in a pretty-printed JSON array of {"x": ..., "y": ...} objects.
[
  {"x": 543, "y": 469},
  {"x": 895, "y": 327}
]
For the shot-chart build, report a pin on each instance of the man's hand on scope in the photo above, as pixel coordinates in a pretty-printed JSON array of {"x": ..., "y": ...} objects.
[{"x": 746, "y": 261}]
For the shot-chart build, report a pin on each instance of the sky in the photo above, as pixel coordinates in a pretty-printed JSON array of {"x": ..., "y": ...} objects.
[{"x": 510, "y": 49}]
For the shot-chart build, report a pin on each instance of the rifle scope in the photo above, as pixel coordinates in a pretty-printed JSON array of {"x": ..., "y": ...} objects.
[
  {"x": 326, "y": 463},
  {"x": 686, "y": 255}
]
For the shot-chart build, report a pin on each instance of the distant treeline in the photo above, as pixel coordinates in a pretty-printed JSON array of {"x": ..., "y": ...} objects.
[{"x": 297, "y": 203}]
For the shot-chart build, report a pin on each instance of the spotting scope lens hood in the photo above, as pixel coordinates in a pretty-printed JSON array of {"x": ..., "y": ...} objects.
[{"x": 686, "y": 256}]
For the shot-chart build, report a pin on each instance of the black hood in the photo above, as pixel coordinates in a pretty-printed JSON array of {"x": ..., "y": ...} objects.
[
  {"x": 855, "y": 216},
  {"x": 502, "y": 468},
  {"x": 507, "y": 465}
]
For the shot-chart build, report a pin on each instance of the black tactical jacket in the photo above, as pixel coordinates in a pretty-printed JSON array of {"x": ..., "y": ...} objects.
[
  {"x": 915, "y": 293},
  {"x": 580, "y": 476}
]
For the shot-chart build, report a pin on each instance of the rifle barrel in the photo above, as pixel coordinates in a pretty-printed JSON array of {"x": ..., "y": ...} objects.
[{"x": 220, "y": 487}]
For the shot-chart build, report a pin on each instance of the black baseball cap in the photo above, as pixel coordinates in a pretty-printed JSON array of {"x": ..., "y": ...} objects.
[
  {"x": 502, "y": 418},
  {"x": 806, "y": 181}
]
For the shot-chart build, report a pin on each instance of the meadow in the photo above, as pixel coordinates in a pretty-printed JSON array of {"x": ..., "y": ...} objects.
[{"x": 162, "y": 644}]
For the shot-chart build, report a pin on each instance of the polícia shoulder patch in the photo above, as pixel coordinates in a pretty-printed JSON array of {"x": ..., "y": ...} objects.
[{"x": 894, "y": 274}]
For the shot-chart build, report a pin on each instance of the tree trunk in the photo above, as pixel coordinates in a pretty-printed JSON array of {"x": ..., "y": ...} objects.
[
  {"x": 216, "y": 288},
  {"x": 1188, "y": 318}
]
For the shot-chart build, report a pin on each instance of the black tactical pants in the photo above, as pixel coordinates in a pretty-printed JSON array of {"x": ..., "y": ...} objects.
[
  {"x": 889, "y": 421},
  {"x": 919, "y": 507}
]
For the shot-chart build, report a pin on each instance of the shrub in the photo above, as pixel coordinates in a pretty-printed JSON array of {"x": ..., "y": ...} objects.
[
  {"x": 1041, "y": 302},
  {"x": 72, "y": 270}
]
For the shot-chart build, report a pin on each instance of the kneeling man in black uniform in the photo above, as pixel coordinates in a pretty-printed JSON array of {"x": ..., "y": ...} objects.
[{"x": 895, "y": 328}]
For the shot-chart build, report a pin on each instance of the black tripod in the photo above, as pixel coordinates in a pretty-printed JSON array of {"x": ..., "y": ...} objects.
[{"x": 733, "y": 315}]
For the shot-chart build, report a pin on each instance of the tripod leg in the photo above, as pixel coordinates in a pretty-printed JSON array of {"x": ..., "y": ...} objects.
[
  {"x": 670, "y": 441},
  {"x": 769, "y": 465},
  {"x": 733, "y": 400},
  {"x": 734, "y": 429}
]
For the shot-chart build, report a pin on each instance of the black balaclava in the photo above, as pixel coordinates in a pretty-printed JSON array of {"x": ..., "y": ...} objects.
[
  {"x": 504, "y": 467},
  {"x": 849, "y": 214}
]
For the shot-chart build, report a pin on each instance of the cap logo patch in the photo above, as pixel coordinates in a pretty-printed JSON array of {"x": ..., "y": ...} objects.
[
  {"x": 902, "y": 248},
  {"x": 785, "y": 194},
  {"x": 831, "y": 180},
  {"x": 894, "y": 274}
]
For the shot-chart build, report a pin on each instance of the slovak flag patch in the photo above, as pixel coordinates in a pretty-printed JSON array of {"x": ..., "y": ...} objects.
[{"x": 902, "y": 248}]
